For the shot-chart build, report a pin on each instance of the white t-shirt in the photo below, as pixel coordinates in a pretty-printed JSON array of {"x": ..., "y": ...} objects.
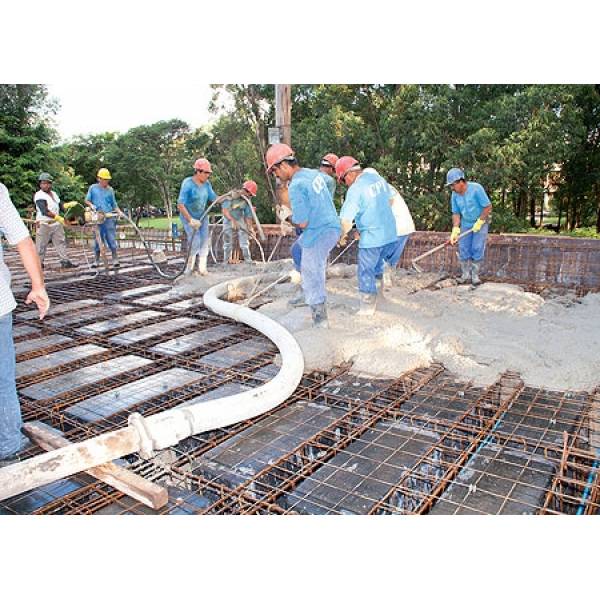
[
  {"x": 404, "y": 220},
  {"x": 53, "y": 202},
  {"x": 15, "y": 231}
]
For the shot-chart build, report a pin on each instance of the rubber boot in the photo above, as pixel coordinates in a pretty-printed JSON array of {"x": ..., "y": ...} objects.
[
  {"x": 465, "y": 267},
  {"x": 246, "y": 255},
  {"x": 67, "y": 264},
  {"x": 368, "y": 303},
  {"x": 387, "y": 277},
  {"x": 189, "y": 267},
  {"x": 319, "y": 315},
  {"x": 380, "y": 284},
  {"x": 475, "y": 267},
  {"x": 202, "y": 265},
  {"x": 115, "y": 259},
  {"x": 96, "y": 262},
  {"x": 298, "y": 299}
]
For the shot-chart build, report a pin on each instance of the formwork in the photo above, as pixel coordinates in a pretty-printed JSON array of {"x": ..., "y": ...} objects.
[{"x": 422, "y": 443}]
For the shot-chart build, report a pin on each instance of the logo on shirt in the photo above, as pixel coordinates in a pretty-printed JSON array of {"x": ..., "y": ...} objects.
[
  {"x": 318, "y": 184},
  {"x": 376, "y": 188}
]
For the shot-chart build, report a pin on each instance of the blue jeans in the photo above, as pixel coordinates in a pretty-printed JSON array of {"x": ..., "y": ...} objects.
[
  {"x": 108, "y": 235},
  {"x": 371, "y": 262},
  {"x": 314, "y": 266},
  {"x": 297, "y": 253},
  {"x": 10, "y": 409},
  {"x": 200, "y": 240},
  {"x": 472, "y": 246}
]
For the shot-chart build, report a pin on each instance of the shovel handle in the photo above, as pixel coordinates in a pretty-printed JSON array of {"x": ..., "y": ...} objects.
[{"x": 434, "y": 250}]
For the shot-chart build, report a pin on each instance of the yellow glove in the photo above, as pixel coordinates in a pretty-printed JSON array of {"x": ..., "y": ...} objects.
[
  {"x": 478, "y": 225},
  {"x": 454, "y": 235},
  {"x": 70, "y": 204},
  {"x": 59, "y": 219}
]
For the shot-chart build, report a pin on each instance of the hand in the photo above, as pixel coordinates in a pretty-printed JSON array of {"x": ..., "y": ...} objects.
[
  {"x": 454, "y": 235},
  {"x": 120, "y": 213},
  {"x": 40, "y": 297},
  {"x": 59, "y": 219},
  {"x": 283, "y": 212},
  {"x": 71, "y": 204},
  {"x": 356, "y": 234},
  {"x": 195, "y": 223},
  {"x": 286, "y": 228},
  {"x": 343, "y": 240},
  {"x": 478, "y": 225}
]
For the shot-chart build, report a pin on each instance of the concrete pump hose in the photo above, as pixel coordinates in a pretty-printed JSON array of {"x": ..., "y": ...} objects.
[{"x": 146, "y": 435}]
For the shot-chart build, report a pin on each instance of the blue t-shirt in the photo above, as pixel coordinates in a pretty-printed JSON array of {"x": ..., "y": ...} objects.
[
  {"x": 195, "y": 197},
  {"x": 470, "y": 204},
  {"x": 103, "y": 199},
  {"x": 330, "y": 181},
  {"x": 367, "y": 203},
  {"x": 312, "y": 202}
]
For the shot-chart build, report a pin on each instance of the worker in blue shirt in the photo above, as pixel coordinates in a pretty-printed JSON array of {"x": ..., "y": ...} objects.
[
  {"x": 314, "y": 212},
  {"x": 101, "y": 197},
  {"x": 367, "y": 203},
  {"x": 471, "y": 209},
  {"x": 195, "y": 194},
  {"x": 327, "y": 167},
  {"x": 238, "y": 220}
]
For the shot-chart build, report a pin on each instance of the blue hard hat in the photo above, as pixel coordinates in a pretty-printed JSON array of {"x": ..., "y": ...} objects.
[{"x": 454, "y": 175}]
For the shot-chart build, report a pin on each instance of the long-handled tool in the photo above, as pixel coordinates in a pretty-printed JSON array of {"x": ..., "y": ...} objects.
[{"x": 436, "y": 249}]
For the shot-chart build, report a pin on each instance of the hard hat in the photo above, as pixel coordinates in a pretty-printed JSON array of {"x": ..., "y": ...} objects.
[
  {"x": 251, "y": 187},
  {"x": 329, "y": 160},
  {"x": 103, "y": 173},
  {"x": 343, "y": 165},
  {"x": 276, "y": 153},
  {"x": 454, "y": 175},
  {"x": 202, "y": 164},
  {"x": 45, "y": 177}
]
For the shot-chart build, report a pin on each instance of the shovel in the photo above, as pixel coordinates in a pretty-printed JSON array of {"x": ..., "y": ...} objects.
[{"x": 436, "y": 249}]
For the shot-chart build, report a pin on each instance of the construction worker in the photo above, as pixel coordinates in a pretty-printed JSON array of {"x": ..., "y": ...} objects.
[
  {"x": 367, "y": 203},
  {"x": 101, "y": 197},
  {"x": 49, "y": 223},
  {"x": 314, "y": 212},
  {"x": 196, "y": 191},
  {"x": 237, "y": 218},
  {"x": 471, "y": 209},
  {"x": 11, "y": 225},
  {"x": 327, "y": 167}
]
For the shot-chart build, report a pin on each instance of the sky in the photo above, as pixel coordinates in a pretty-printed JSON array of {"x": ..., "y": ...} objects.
[{"x": 83, "y": 110}]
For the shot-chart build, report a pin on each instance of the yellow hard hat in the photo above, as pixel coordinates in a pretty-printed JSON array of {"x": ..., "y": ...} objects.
[{"x": 103, "y": 173}]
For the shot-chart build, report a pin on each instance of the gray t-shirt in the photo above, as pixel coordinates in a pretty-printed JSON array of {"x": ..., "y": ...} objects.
[{"x": 14, "y": 230}]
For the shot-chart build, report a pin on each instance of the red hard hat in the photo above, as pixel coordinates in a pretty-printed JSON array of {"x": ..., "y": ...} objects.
[
  {"x": 329, "y": 160},
  {"x": 202, "y": 165},
  {"x": 251, "y": 187},
  {"x": 343, "y": 165},
  {"x": 276, "y": 153}
]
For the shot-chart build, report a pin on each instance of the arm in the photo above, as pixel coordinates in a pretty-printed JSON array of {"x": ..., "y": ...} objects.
[{"x": 31, "y": 262}]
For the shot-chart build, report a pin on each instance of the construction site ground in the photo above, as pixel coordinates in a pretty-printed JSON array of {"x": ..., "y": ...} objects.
[{"x": 420, "y": 434}]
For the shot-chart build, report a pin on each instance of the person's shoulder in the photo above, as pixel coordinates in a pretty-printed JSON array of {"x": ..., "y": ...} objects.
[
  {"x": 476, "y": 186},
  {"x": 39, "y": 194}
]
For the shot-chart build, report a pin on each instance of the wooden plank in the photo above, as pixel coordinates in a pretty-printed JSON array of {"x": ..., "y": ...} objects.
[{"x": 125, "y": 481}]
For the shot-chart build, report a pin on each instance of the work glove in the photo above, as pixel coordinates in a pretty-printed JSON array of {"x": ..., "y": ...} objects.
[
  {"x": 59, "y": 219},
  {"x": 120, "y": 213},
  {"x": 454, "y": 235},
  {"x": 478, "y": 225},
  {"x": 70, "y": 204},
  {"x": 286, "y": 228},
  {"x": 195, "y": 223},
  {"x": 283, "y": 212},
  {"x": 343, "y": 240}
]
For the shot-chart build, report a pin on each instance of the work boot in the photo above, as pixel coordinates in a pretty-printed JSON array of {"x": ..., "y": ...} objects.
[
  {"x": 475, "y": 266},
  {"x": 189, "y": 266},
  {"x": 96, "y": 262},
  {"x": 319, "y": 315},
  {"x": 368, "y": 303},
  {"x": 246, "y": 255},
  {"x": 298, "y": 299},
  {"x": 67, "y": 264},
  {"x": 387, "y": 277},
  {"x": 202, "y": 265},
  {"x": 465, "y": 267},
  {"x": 115, "y": 260}
]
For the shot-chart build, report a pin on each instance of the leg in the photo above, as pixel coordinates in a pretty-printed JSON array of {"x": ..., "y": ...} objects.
[
  {"x": 42, "y": 237},
  {"x": 368, "y": 258},
  {"x": 202, "y": 238},
  {"x": 227, "y": 240},
  {"x": 111, "y": 239},
  {"x": 393, "y": 253},
  {"x": 297, "y": 254},
  {"x": 60, "y": 243},
  {"x": 244, "y": 245},
  {"x": 10, "y": 409},
  {"x": 478, "y": 252},
  {"x": 464, "y": 256}
]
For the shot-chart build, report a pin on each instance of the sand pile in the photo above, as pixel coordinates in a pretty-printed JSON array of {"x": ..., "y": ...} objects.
[{"x": 477, "y": 334}]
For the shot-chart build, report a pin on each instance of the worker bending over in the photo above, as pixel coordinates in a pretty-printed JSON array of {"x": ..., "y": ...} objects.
[
  {"x": 367, "y": 203},
  {"x": 314, "y": 212},
  {"x": 238, "y": 220},
  {"x": 471, "y": 208}
]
